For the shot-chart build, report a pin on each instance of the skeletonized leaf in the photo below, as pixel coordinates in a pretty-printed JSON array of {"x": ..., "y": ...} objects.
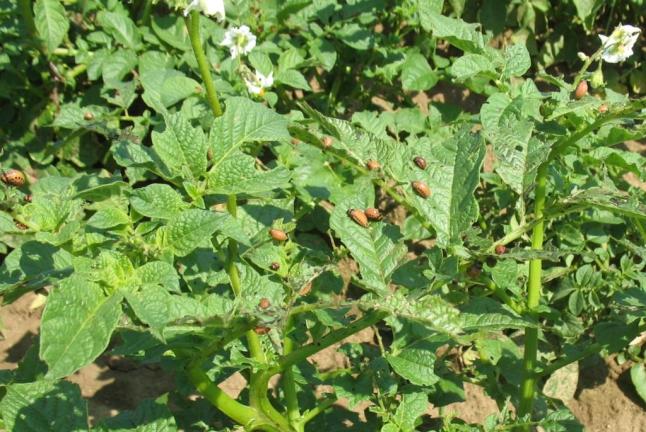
[
  {"x": 612, "y": 200},
  {"x": 432, "y": 311},
  {"x": 77, "y": 324},
  {"x": 518, "y": 153}
]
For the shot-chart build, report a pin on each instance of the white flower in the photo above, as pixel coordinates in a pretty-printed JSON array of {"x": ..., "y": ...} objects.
[
  {"x": 619, "y": 45},
  {"x": 240, "y": 40},
  {"x": 207, "y": 7},
  {"x": 257, "y": 83}
]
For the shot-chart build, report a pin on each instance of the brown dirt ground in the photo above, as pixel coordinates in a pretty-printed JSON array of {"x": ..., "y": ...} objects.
[{"x": 605, "y": 399}]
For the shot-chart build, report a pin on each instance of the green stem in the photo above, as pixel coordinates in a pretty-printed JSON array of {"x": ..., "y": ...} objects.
[
  {"x": 289, "y": 384},
  {"x": 233, "y": 409},
  {"x": 145, "y": 15},
  {"x": 331, "y": 338},
  {"x": 28, "y": 17},
  {"x": 193, "y": 25},
  {"x": 318, "y": 409},
  {"x": 502, "y": 295},
  {"x": 533, "y": 298},
  {"x": 586, "y": 65},
  {"x": 258, "y": 385}
]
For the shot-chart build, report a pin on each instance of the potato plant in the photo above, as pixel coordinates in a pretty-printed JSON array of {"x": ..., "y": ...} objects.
[{"x": 218, "y": 187}]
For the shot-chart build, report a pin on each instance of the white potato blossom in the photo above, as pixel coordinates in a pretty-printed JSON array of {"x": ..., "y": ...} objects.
[
  {"x": 619, "y": 45},
  {"x": 257, "y": 83},
  {"x": 239, "y": 40},
  {"x": 214, "y": 8}
]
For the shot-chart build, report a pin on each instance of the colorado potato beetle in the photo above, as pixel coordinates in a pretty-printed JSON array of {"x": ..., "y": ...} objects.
[
  {"x": 421, "y": 189},
  {"x": 420, "y": 162},
  {"x": 373, "y": 165},
  {"x": 278, "y": 235},
  {"x": 13, "y": 177},
  {"x": 372, "y": 214},
  {"x": 358, "y": 216}
]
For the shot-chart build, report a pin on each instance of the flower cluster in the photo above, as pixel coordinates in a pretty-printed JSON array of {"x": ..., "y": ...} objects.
[
  {"x": 214, "y": 8},
  {"x": 239, "y": 40},
  {"x": 619, "y": 45}
]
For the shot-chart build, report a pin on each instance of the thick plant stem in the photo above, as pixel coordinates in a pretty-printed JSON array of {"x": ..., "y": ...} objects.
[
  {"x": 289, "y": 385},
  {"x": 28, "y": 17},
  {"x": 242, "y": 414},
  {"x": 533, "y": 299},
  {"x": 331, "y": 338},
  {"x": 145, "y": 14},
  {"x": 260, "y": 404},
  {"x": 193, "y": 25}
]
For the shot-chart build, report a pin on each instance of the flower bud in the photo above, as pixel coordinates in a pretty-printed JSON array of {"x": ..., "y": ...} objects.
[{"x": 597, "y": 79}]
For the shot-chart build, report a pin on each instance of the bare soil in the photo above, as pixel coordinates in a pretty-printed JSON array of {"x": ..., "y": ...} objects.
[{"x": 605, "y": 399}]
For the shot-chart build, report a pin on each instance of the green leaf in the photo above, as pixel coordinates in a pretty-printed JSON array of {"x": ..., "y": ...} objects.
[
  {"x": 377, "y": 249},
  {"x": 108, "y": 218},
  {"x": 410, "y": 409},
  {"x": 157, "y": 201},
  {"x": 485, "y": 314},
  {"x": 293, "y": 78},
  {"x": 77, "y": 324},
  {"x": 159, "y": 272},
  {"x": 417, "y": 74},
  {"x": 356, "y": 36},
  {"x": 517, "y": 61},
  {"x": 587, "y": 10},
  {"x": 35, "y": 264},
  {"x": 244, "y": 121},
  {"x": 638, "y": 377},
  {"x": 181, "y": 147},
  {"x": 190, "y": 229},
  {"x": 453, "y": 174},
  {"x": 156, "y": 307},
  {"x": 150, "y": 416},
  {"x": 458, "y": 33},
  {"x": 167, "y": 86},
  {"x": 238, "y": 174},
  {"x": 358, "y": 144},
  {"x": 51, "y": 22},
  {"x": 470, "y": 65},
  {"x": 44, "y": 406},
  {"x": 416, "y": 364},
  {"x": 120, "y": 27}
]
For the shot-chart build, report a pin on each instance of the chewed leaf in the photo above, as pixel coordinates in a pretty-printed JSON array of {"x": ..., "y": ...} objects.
[
  {"x": 377, "y": 248},
  {"x": 452, "y": 175}
]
